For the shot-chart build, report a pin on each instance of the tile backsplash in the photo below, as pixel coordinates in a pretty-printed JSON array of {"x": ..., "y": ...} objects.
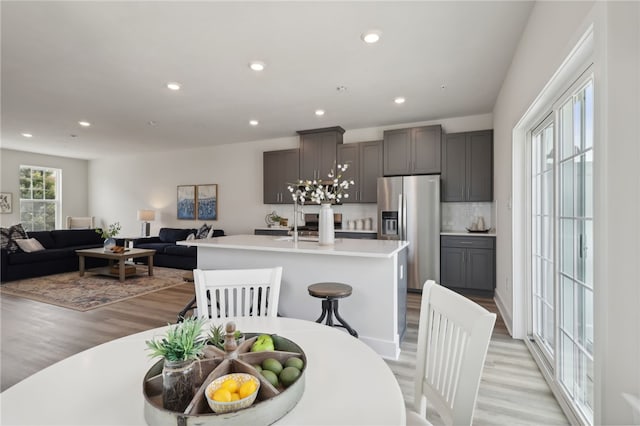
[{"x": 458, "y": 216}]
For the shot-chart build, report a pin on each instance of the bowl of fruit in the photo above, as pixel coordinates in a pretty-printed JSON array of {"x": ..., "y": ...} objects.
[{"x": 232, "y": 392}]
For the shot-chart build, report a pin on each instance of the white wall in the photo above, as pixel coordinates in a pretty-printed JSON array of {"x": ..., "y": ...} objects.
[
  {"x": 74, "y": 182},
  {"x": 551, "y": 33},
  {"x": 553, "y": 29},
  {"x": 121, "y": 186}
]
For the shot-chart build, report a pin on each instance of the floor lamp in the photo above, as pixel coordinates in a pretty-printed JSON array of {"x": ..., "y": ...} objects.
[{"x": 146, "y": 216}]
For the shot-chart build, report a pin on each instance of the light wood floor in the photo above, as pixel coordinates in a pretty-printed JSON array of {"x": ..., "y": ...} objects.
[
  {"x": 512, "y": 390},
  {"x": 35, "y": 335}
]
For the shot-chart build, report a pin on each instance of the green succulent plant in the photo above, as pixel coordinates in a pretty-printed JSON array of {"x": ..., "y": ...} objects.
[{"x": 181, "y": 342}]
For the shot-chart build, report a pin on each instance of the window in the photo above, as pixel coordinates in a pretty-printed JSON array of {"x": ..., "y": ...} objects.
[
  {"x": 39, "y": 198},
  {"x": 561, "y": 243}
]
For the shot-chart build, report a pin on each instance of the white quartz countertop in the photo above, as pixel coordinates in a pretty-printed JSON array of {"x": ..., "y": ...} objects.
[
  {"x": 465, "y": 233},
  {"x": 342, "y": 246}
]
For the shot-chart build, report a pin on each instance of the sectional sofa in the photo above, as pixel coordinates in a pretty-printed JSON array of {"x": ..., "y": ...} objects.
[
  {"x": 171, "y": 255},
  {"x": 57, "y": 256}
]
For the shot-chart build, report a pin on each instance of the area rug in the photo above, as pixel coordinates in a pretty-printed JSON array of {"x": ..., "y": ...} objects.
[{"x": 72, "y": 291}]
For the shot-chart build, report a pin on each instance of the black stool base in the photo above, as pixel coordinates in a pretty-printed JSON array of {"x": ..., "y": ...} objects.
[{"x": 330, "y": 308}]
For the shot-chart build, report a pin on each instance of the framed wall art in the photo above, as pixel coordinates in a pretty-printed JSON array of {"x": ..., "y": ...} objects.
[
  {"x": 207, "y": 202},
  {"x": 6, "y": 202},
  {"x": 187, "y": 202}
]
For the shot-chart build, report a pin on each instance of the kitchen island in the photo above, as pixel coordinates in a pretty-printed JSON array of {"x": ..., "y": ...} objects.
[{"x": 376, "y": 269}]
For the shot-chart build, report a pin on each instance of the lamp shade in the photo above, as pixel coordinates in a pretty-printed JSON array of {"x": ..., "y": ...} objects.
[{"x": 146, "y": 215}]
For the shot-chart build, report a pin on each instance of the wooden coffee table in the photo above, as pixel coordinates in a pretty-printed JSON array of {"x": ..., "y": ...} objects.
[{"x": 119, "y": 258}]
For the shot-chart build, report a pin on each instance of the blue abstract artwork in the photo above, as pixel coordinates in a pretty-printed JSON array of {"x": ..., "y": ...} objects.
[
  {"x": 186, "y": 202},
  {"x": 207, "y": 202}
]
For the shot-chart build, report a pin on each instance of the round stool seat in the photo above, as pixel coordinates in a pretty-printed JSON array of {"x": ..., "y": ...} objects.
[
  {"x": 330, "y": 290},
  {"x": 330, "y": 293}
]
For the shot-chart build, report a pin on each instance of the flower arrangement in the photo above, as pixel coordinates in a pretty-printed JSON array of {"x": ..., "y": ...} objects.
[
  {"x": 113, "y": 230},
  {"x": 322, "y": 191}
]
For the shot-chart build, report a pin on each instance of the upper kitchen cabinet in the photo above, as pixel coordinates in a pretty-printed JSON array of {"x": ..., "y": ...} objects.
[
  {"x": 467, "y": 166},
  {"x": 412, "y": 151},
  {"x": 365, "y": 167},
  {"x": 318, "y": 150},
  {"x": 279, "y": 169}
]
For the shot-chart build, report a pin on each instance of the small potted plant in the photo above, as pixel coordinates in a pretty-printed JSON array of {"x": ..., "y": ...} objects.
[
  {"x": 180, "y": 348},
  {"x": 108, "y": 234}
]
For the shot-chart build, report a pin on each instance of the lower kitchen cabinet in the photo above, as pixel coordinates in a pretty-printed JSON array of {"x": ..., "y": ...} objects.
[{"x": 467, "y": 264}]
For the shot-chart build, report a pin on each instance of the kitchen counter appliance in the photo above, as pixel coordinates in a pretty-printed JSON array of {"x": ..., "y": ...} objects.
[
  {"x": 409, "y": 210},
  {"x": 311, "y": 221}
]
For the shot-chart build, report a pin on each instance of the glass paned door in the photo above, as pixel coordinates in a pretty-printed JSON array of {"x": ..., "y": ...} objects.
[
  {"x": 562, "y": 243},
  {"x": 542, "y": 253},
  {"x": 576, "y": 247}
]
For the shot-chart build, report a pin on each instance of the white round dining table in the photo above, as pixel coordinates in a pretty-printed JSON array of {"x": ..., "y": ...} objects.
[{"x": 347, "y": 383}]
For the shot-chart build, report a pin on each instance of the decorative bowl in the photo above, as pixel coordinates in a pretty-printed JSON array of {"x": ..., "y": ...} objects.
[{"x": 225, "y": 407}]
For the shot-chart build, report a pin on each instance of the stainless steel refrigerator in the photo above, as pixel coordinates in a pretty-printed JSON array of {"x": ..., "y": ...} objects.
[{"x": 409, "y": 209}]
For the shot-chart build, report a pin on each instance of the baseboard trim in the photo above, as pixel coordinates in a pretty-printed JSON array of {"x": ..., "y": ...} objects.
[{"x": 506, "y": 317}]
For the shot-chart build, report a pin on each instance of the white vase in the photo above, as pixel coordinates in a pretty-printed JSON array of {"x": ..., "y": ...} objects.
[{"x": 326, "y": 234}]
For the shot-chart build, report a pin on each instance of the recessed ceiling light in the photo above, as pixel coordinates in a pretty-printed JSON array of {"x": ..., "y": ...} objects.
[
  {"x": 27, "y": 135},
  {"x": 256, "y": 65},
  {"x": 399, "y": 100},
  {"x": 319, "y": 112},
  {"x": 152, "y": 123},
  {"x": 84, "y": 123},
  {"x": 173, "y": 86},
  {"x": 443, "y": 86},
  {"x": 371, "y": 37},
  {"x": 341, "y": 89},
  {"x": 254, "y": 122}
]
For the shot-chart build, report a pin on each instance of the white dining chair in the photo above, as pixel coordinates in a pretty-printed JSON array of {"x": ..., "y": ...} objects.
[
  {"x": 80, "y": 222},
  {"x": 453, "y": 338},
  {"x": 227, "y": 293}
]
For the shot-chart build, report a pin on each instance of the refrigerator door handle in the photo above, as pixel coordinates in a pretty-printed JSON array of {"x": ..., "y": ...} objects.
[
  {"x": 403, "y": 216},
  {"x": 400, "y": 218}
]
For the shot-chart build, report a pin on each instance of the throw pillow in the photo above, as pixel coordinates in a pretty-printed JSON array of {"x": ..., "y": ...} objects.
[
  {"x": 29, "y": 245},
  {"x": 203, "y": 231},
  {"x": 10, "y": 235},
  {"x": 191, "y": 237}
]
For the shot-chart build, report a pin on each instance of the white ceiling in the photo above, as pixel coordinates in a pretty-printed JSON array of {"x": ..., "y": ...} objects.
[{"x": 109, "y": 62}]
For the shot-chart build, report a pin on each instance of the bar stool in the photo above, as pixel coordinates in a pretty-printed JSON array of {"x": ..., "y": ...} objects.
[
  {"x": 330, "y": 293},
  {"x": 187, "y": 277}
]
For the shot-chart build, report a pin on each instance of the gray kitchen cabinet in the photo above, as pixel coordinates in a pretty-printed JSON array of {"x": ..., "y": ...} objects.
[
  {"x": 318, "y": 150},
  {"x": 280, "y": 168},
  {"x": 467, "y": 264},
  {"x": 365, "y": 167},
  {"x": 412, "y": 151},
  {"x": 273, "y": 232},
  {"x": 467, "y": 166}
]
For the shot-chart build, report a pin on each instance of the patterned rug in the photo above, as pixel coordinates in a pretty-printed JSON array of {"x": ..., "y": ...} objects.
[{"x": 69, "y": 290}]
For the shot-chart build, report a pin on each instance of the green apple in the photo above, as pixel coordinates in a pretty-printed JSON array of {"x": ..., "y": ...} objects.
[{"x": 263, "y": 343}]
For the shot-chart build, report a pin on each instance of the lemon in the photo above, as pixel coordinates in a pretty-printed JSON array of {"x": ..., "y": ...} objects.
[
  {"x": 231, "y": 385},
  {"x": 222, "y": 395},
  {"x": 247, "y": 389},
  {"x": 235, "y": 396}
]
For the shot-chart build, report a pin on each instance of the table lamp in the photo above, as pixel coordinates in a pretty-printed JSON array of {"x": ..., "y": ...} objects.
[{"x": 146, "y": 216}]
